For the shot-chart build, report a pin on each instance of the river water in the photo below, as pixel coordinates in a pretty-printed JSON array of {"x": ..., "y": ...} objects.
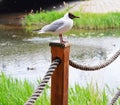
[{"x": 24, "y": 55}]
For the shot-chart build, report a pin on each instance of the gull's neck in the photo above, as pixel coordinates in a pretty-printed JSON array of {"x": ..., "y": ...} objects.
[{"x": 66, "y": 16}]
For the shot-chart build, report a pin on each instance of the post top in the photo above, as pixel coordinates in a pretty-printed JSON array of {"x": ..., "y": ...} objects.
[{"x": 58, "y": 44}]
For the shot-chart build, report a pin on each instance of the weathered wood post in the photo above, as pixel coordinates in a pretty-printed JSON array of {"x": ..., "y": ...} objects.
[{"x": 59, "y": 81}]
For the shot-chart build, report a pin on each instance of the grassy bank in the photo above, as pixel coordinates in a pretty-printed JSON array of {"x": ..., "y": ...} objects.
[
  {"x": 14, "y": 92},
  {"x": 86, "y": 21}
]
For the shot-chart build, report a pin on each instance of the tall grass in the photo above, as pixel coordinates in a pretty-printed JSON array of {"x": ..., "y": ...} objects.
[
  {"x": 86, "y": 20},
  {"x": 98, "y": 21},
  {"x": 14, "y": 92},
  {"x": 42, "y": 18},
  {"x": 87, "y": 96}
]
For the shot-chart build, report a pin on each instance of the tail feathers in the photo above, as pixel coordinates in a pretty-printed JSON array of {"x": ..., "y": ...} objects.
[{"x": 39, "y": 31}]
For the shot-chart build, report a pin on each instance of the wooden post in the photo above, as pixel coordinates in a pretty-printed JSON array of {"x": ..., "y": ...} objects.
[{"x": 59, "y": 81}]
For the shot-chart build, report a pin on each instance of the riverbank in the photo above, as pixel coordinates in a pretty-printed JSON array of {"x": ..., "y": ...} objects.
[
  {"x": 94, "y": 14},
  {"x": 12, "y": 90},
  {"x": 17, "y": 54},
  {"x": 87, "y": 21}
]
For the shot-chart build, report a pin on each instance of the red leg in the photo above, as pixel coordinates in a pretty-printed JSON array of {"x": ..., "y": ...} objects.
[{"x": 61, "y": 39}]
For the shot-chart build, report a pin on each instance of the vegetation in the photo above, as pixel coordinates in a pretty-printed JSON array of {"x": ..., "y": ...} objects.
[
  {"x": 14, "y": 92},
  {"x": 86, "y": 21},
  {"x": 42, "y": 17},
  {"x": 87, "y": 96}
]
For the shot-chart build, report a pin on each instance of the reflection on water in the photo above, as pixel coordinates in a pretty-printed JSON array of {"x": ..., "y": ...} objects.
[
  {"x": 23, "y": 55},
  {"x": 12, "y": 18}
]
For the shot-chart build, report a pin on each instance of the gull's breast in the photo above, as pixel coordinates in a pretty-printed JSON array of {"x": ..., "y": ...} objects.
[{"x": 66, "y": 27}]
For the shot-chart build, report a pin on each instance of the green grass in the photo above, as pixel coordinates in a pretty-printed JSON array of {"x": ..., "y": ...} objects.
[
  {"x": 87, "y": 96},
  {"x": 14, "y": 92},
  {"x": 10, "y": 91},
  {"x": 98, "y": 21},
  {"x": 42, "y": 18},
  {"x": 86, "y": 20}
]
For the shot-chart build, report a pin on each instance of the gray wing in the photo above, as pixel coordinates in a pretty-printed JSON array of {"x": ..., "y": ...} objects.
[{"x": 53, "y": 26}]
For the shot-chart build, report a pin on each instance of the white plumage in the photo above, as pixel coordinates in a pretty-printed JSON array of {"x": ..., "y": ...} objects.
[{"x": 59, "y": 26}]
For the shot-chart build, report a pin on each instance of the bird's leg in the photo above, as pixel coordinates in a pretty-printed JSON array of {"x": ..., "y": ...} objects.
[{"x": 61, "y": 39}]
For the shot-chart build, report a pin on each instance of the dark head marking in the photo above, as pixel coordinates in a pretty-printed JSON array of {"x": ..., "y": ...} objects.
[{"x": 71, "y": 16}]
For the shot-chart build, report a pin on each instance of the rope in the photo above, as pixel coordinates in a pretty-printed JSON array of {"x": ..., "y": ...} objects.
[
  {"x": 45, "y": 80},
  {"x": 115, "y": 98},
  {"x": 97, "y": 67}
]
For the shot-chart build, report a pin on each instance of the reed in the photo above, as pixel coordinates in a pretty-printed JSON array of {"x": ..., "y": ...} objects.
[
  {"x": 88, "y": 95},
  {"x": 86, "y": 21},
  {"x": 98, "y": 21},
  {"x": 42, "y": 18},
  {"x": 14, "y": 92}
]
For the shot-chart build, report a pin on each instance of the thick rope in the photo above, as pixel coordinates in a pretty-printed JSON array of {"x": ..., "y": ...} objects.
[
  {"x": 115, "y": 98},
  {"x": 45, "y": 80},
  {"x": 97, "y": 67}
]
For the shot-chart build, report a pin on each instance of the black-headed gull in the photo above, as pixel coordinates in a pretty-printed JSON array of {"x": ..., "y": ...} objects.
[{"x": 59, "y": 26}]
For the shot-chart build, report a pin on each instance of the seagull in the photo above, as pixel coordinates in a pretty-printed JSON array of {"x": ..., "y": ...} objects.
[{"x": 59, "y": 26}]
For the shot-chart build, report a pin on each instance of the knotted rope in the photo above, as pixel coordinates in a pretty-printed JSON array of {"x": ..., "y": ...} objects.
[
  {"x": 55, "y": 64},
  {"x": 97, "y": 67},
  {"x": 45, "y": 80}
]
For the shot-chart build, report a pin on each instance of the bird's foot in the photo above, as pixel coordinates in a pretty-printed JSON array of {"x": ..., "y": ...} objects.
[
  {"x": 63, "y": 42},
  {"x": 61, "y": 39}
]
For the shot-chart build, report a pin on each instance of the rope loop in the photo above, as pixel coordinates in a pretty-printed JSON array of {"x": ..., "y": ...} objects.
[
  {"x": 43, "y": 83},
  {"x": 97, "y": 67}
]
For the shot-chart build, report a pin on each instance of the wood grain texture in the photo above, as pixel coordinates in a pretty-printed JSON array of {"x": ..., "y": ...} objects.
[{"x": 59, "y": 81}]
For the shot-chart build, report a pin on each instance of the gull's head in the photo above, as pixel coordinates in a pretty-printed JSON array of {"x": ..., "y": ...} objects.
[{"x": 70, "y": 15}]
